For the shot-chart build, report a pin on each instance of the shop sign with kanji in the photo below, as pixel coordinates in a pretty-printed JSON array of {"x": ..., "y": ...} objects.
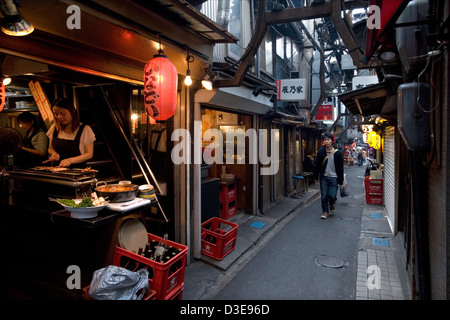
[
  {"x": 291, "y": 89},
  {"x": 325, "y": 112}
]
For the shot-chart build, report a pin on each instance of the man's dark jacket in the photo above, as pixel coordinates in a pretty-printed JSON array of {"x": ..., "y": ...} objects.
[{"x": 338, "y": 163}]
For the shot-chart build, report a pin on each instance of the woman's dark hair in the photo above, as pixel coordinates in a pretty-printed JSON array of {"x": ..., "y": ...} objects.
[
  {"x": 27, "y": 116},
  {"x": 68, "y": 105}
]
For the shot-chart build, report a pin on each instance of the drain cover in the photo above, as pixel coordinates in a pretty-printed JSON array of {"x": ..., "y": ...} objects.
[{"x": 329, "y": 262}]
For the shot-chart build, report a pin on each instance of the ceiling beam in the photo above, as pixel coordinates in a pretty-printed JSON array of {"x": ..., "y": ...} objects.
[{"x": 264, "y": 19}]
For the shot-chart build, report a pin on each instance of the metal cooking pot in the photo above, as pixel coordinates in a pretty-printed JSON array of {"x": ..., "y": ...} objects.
[{"x": 116, "y": 192}]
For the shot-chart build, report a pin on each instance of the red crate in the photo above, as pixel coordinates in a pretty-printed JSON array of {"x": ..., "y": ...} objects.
[
  {"x": 218, "y": 237},
  {"x": 228, "y": 208},
  {"x": 374, "y": 198},
  {"x": 176, "y": 295},
  {"x": 373, "y": 185},
  {"x": 227, "y": 192},
  {"x": 168, "y": 277}
]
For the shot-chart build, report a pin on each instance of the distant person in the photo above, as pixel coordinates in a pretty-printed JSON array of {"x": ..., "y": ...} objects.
[
  {"x": 35, "y": 142},
  {"x": 329, "y": 172},
  {"x": 71, "y": 142},
  {"x": 360, "y": 155},
  {"x": 308, "y": 163}
]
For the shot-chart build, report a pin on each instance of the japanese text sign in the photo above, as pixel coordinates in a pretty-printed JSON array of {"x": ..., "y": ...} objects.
[
  {"x": 325, "y": 112},
  {"x": 291, "y": 89}
]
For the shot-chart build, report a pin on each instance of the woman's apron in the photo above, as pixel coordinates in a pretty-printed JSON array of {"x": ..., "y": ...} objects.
[{"x": 69, "y": 148}]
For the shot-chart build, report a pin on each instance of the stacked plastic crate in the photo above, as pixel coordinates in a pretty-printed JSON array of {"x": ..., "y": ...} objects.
[
  {"x": 167, "y": 277},
  {"x": 228, "y": 199}
]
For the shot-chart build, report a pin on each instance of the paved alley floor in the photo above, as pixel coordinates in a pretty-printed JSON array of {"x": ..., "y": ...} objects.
[{"x": 353, "y": 255}]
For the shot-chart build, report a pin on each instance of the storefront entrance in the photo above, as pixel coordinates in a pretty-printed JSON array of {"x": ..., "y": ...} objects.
[{"x": 234, "y": 163}]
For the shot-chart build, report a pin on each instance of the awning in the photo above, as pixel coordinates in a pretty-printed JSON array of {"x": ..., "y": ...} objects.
[
  {"x": 237, "y": 99},
  {"x": 195, "y": 20},
  {"x": 371, "y": 100}
]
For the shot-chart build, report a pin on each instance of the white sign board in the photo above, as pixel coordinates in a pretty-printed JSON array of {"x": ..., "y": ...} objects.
[
  {"x": 291, "y": 89},
  {"x": 363, "y": 81}
]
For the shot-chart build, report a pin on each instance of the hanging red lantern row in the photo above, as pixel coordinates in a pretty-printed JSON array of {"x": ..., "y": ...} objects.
[
  {"x": 2, "y": 96},
  {"x": 160, "y": 87}
]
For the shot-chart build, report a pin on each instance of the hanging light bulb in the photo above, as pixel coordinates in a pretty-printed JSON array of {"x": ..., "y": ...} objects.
[{"x": 188, "y": 79}]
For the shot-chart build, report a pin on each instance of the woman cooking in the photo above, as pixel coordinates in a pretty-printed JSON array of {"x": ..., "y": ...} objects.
[
  {"x": 71, "y": 142},
  {"x": 35, "y": 142}
]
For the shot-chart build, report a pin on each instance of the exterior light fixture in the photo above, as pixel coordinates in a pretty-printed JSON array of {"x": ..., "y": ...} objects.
[
  {"x": 209, "y": 78},
  {"x": 188, "y": 79},
  {"x": 207, "y": 84},
  {"x": 160, "y": 87},
  {"x": 388, "y": 56},
  {"x": 13, "y": 23},
  {"x": 257, "y": 91},
  {"x": 273, "y": 98},
  {"x": 6, "y": 80},
  {"x": 278, "y": 7}
]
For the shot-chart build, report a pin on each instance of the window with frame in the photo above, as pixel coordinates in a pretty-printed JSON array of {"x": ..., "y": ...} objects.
[
  {"x": 266, "y": 52},
  {"x": 235, "y": 27}
]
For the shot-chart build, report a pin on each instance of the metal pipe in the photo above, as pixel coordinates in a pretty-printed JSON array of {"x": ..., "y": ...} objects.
[{"x": 116, "y": 121}]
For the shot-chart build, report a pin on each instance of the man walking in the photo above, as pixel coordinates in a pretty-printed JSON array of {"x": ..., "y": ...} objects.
[
  {"x": 329, "y": 171},
  {"x": 360, "y": 154}
]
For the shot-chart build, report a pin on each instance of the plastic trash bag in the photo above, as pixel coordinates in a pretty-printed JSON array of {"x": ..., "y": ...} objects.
[
  {"x": 116, "y": 283},
  {"x": 344, "y": 188}
]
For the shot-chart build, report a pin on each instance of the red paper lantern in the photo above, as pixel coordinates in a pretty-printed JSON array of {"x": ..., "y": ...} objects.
[
  {"x": 160, "y": 87},
  {"x": 2, "y": 96}
]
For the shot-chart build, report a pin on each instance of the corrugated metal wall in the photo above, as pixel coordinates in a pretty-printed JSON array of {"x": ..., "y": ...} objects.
[{"x": 390, "y": 174}]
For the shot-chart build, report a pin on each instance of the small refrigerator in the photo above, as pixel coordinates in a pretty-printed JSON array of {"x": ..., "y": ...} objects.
[{"x": 210, "y": 198}]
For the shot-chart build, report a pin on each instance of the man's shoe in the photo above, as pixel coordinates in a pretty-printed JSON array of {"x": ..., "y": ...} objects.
[
  {"x": 332, "y": 208},
  {"x": 324, "y": 215}
]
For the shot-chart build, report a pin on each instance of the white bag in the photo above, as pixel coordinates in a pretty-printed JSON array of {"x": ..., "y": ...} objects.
[
  {"x": 344, "y": 188},
  {"x": 116, "y": 283}
]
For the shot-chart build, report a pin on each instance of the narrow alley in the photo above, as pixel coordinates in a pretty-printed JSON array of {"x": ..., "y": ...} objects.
[{"x": 303, "y": 257}]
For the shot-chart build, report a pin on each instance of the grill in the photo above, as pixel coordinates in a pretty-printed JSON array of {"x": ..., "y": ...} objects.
[{"x": 71, "y": 183}]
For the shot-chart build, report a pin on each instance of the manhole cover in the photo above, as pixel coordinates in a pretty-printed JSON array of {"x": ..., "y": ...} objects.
[
  {"x": 348, "y": 219},
  {"x": 329, "y": 262}
]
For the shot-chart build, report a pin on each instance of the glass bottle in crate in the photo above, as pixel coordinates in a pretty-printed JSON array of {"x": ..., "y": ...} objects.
[{"x": 161, "y": 248}]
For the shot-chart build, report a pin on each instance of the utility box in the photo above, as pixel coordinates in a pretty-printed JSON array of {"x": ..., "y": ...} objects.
[
  {"x": 413, "y": 115},
  {"x": 411, "y": 38}
]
